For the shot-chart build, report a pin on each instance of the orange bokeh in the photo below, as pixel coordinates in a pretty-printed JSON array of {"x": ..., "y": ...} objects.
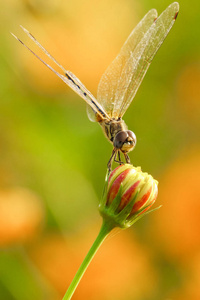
[
  {"x": 188, "y": 91},
  {"x": 120, "y": 267},
  {"x": 177, "y": 224},
  {"x": 190, "y": 288},
  {"x": 21, "y": 215}
]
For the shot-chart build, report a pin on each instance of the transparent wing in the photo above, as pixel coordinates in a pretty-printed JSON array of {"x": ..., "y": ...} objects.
[
  {"x": 91, "y": 114},
  {"x": 109, "y": 82},
  {"x": 70, "y": 79},
  {"x": 123, "y": 77}
]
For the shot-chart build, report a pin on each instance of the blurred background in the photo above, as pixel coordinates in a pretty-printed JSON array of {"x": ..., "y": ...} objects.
[{"x": 53, "y": 159}]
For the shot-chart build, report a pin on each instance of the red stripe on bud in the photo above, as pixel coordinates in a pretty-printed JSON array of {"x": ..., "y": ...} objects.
[
  {"x": 128, "y": 195},
  {"x": 112, "y": 193},
  {"x": 151, "y": 203},
  {"x": 113, "y": 173},
  {"x": 141, "y": 202}
]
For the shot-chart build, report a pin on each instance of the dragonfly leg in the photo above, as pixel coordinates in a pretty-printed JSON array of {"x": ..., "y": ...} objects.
[
  {"x": 111, "y": 160},
  {"x": 127, "y": 158},
  {"x": 114, "y": 154},
  {"x": 119, "y": 158}
]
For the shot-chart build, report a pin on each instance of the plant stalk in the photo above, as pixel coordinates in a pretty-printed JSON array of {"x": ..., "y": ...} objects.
[{"x": 103, "y": 233}]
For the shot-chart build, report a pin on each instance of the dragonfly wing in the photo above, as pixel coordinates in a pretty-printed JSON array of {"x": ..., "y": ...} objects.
[
  {"x": 80, "y": 89},
  {"x": 143, "y": 55},
  {"x": 134, "y": 63},
  {"x": 70, "y": 79},
  {"x": 91, "y": 114},
  {"x": 109, "y": 82}
]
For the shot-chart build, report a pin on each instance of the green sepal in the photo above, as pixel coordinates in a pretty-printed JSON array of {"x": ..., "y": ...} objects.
[
  {"x": 116, "y": 201},
  {"x": 103, "y": 200},
  {"x": 140, "y": 215},
  {"x": 124, "y": 214},
  {"x": 107, "y": 175}
]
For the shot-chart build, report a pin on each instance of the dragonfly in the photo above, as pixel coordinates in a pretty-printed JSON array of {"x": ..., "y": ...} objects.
[{"x": 120, "y": 82}]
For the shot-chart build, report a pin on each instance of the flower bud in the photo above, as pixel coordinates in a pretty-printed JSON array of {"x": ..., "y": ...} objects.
[{"x": 128, "y": 194}]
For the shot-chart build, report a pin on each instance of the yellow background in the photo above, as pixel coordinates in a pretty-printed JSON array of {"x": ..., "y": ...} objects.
[{"x": 53, "y": 159}]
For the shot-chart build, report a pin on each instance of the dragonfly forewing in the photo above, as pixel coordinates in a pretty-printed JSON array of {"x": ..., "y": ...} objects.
[
  {"x": 109, "y": 83},
  {"x": 122, "y": 79},
  {"x": 145, "y": 52}
]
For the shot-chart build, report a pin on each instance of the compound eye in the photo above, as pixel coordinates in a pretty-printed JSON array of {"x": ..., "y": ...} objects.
[
  {"x": 120, "y": 139},
  {"x": 132, "y": 135}
]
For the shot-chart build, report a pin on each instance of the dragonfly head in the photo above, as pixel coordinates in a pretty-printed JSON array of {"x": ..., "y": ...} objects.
[{"x": 125, "y": 141}]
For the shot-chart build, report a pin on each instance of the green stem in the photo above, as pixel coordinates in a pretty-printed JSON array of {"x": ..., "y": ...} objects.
[{"x": 104, "y": 231}]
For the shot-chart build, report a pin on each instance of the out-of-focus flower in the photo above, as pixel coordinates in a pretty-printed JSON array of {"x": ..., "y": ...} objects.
[
  {"x": 128, "y": 194},
  {"x": 182, "y": 228},
  {"x": 21, "y": 216}
]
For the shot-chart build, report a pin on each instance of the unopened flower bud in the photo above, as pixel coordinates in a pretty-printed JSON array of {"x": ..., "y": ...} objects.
[{"x": 128, "y": 194}]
